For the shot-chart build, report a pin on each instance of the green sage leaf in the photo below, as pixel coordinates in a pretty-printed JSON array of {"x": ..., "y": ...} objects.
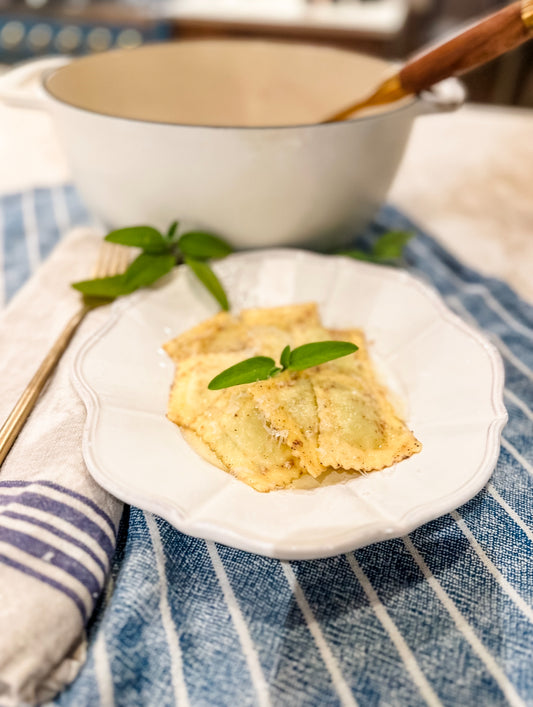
[
  {"x": 261, "y": 368},
  {"x": 359, "y": 255},
  {"x": 149, "y": 239},
  {"x": 208, "y": 278},
  {"x": 102, "y": 287},
  {"x": 285, "y": 357},
  {"x": 390, "y": 245},
  {"x": 250, "y": 370},
  {"x": 143, "y": 271},
  {"x": 388, "y": 248},
  {"x": 202, "y": 245},
  {"x": 146, "y": 269},
  {"x": 171, "y": 233},
  {"x": 314, "y": 354}
]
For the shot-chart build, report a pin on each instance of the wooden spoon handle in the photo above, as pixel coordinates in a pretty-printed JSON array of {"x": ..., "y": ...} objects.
[{"x": 482, "y": 42}]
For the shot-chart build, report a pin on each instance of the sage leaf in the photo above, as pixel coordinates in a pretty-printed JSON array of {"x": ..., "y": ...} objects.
[
  {"x": 145, "y": 237},
  {"x": 388, "y": 248},
  {"x": 358, "y": 255},
  {"x": 250, "y": 370},
  {"x": 143, "y": 271},
  {"x": 260, "y": 368},
  {"x": 314, "y": 354},
  {"x": 146, "y": 269},
  {"x": 160, "y": 253},
  {"x": 101, "y": 287},
  {"x": 285, "y": 357},
  {"x": 202, "y": 245},
  {"x": 390, "y": 245},
  {"x": 208, "y": 278},
  {"x": 172, "y": 229}
]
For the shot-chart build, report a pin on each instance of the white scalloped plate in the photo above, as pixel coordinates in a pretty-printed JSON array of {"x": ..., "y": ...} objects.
[{"x": 449, "y": 377}]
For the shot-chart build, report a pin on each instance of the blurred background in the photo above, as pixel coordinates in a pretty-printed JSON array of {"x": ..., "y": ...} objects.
[{"x": 392, "y": 29}]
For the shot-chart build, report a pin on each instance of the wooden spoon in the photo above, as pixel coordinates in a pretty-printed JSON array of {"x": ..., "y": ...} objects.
[{"x": 499, "y": 33}]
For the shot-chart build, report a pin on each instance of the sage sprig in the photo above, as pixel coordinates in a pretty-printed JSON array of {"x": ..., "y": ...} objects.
[
  {"x": 260, "y": 368},
  {"x": 160, "y": 253},
  {"x": 387, "y": 249}
]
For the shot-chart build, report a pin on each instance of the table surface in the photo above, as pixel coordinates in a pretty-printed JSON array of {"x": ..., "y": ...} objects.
[{"x": 466, "y": 177}]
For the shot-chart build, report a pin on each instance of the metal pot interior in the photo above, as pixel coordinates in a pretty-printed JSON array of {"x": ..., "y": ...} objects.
[{"x": 218, "y": 82}]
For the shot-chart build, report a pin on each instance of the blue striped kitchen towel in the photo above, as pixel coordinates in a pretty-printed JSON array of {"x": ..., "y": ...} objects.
[
  {"x": 443, "y": 616},
  {"x": 57, "y": 526}
]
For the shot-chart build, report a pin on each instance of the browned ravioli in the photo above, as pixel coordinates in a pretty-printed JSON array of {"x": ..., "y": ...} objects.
[{"x": 335, "y": 416}]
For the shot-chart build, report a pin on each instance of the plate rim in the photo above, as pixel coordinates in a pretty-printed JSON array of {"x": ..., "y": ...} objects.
[{"x": 349, "y": 539}]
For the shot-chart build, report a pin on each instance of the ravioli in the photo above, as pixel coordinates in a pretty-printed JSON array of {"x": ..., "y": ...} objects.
[
  {"x": 358, "y": 428},
  {"x": 321, "y": 424},
  {"x": 288, "y": 404},
  {"x": 189, "y": 394},
  {"x": 285, "y": 317},
  {"x": 221, "y": 333},
  {"x": 234, "y": 429}
]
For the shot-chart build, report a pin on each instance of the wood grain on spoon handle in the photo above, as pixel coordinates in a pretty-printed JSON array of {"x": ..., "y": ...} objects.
[{"x": 486, "y": 40}]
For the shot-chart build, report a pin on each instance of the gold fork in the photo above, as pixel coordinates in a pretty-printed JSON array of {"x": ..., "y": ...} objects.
[{"x": 112, "y": 260}]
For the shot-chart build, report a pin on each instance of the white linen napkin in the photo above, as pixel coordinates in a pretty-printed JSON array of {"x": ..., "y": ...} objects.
[{"x": 57, "y": 526}]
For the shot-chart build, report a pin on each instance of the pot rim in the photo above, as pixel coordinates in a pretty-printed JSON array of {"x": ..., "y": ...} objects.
[
  {"x": 381, "y": 112},
  {"x": 401, "y": 106}
]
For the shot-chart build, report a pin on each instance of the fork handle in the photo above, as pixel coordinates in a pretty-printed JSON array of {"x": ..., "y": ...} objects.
[{"x": 25, "y": 404}]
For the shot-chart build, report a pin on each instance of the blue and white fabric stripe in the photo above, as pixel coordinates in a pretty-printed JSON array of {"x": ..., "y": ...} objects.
[
  {"x": 59, "y": 537},
  {"x": 441, "y": 617},
  {"x": 31, "y": 224}
]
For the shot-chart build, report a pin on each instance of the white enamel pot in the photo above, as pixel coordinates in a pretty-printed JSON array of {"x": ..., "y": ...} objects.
[{"x": 225, "y": 135}]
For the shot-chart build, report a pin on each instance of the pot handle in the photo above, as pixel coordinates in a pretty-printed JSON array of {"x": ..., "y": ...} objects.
[
  {"x": 444, "y": 96},
  {"x": 21, "y": 87}
]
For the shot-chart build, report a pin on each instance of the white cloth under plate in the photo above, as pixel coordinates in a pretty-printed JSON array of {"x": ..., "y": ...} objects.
[{"x": 57, "y": 526}]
